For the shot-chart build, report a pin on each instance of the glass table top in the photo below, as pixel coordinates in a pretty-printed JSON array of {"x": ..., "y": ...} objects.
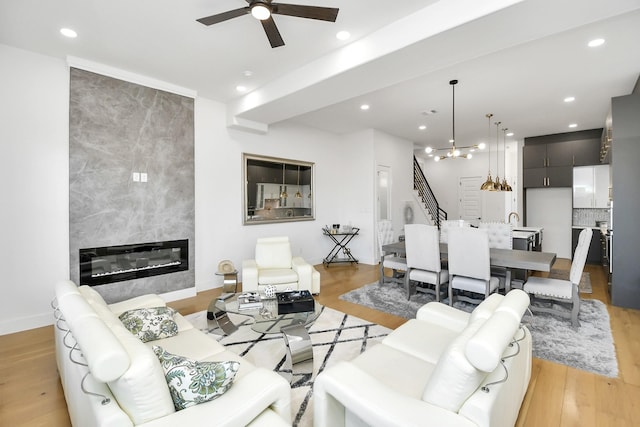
[{"x": 267, "y": 319}]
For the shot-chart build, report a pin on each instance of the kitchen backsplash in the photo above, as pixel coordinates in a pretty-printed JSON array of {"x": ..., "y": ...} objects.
[{"x": 588, "y": 217}]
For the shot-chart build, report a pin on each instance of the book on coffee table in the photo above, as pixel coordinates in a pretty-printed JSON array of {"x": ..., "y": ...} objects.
[{"x": 249, "y": 301}]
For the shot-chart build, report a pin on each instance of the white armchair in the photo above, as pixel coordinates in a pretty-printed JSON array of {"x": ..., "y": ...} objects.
[{"x": 274, "y": 265}]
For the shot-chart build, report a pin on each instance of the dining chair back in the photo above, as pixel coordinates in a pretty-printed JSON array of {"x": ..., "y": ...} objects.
[
  {"x": 564, "y": 294},
  {"x": 396, "y": 264},
  {"x": 448, "y": 224},
  {"x": 470, "y": 264},
  {"x": 424, "y": 267},
  {"x": 500, "y": 237}
]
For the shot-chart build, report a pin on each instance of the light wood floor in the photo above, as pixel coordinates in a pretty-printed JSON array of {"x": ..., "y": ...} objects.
[{"x": 31, "y": 394}]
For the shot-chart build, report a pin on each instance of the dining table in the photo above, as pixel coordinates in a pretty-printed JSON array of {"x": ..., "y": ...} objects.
[{"x": 510, "y": 259}]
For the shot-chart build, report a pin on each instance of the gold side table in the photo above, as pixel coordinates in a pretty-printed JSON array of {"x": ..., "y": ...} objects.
[{"x": 230, "y": 281}]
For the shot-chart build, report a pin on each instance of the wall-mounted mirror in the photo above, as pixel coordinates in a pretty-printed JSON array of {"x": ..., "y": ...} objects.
[{"x": 277, "y": 190}]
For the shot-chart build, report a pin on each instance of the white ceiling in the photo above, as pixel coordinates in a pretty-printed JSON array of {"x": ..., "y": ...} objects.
[{"x": 517, "y": 60}]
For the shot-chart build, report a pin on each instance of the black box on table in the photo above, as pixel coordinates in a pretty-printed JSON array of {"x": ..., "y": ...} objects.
[{"x": 295, "y": 302}]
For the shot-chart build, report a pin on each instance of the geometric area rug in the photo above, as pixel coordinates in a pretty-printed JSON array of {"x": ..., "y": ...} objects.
[
  {"x": 335, "y": 337},
  {"x": 588, "y": 347}
]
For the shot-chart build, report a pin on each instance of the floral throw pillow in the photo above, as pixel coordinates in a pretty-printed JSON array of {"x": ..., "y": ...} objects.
[
  {"x": 150, "y": 324},
  {"x": 191, "y": 382}
]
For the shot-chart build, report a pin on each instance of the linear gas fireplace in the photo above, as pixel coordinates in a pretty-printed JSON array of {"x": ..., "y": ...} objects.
[{"x": 109, "y": 264}]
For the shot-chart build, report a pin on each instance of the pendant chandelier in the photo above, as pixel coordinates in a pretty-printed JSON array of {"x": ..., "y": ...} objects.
[
  {"x": 505, "y": 184},
  {"x": 453, "y": 152},
  {"x": 489, "y": 185},
  {"x": 283, "y": 193}
]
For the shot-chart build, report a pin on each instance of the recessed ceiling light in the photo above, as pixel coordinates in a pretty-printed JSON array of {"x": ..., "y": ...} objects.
[
  {"x": 241, "y": 88},
  {"x": 247, "y": 73},
  {"x": 422, "y": 127},
  {"x": 510, "y": 134},
  {"x": 569, "y": 99},
  {"x": 596, "y": 42},
  {"x": 68, "y": 32},
  {"x": 573, "y": 125},
  {"x": 364, "y": 107},
  {"x": 343, "y": 35}
]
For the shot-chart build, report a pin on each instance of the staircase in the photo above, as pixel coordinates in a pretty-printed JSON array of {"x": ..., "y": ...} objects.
[{"x": 426, "y": 196}]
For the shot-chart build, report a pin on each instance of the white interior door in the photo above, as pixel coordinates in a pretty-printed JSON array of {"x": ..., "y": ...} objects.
[
  {"x": 383, "y": 192},
  {"x": 469, "y": 201}
]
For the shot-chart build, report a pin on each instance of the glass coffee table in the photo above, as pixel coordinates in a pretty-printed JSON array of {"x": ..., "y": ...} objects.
[{"x": 293, "y": 326}]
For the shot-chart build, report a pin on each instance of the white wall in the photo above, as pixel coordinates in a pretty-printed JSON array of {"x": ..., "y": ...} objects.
[
  {"x": 443, "y": 177},
  {"x": 34, "y": 172}
]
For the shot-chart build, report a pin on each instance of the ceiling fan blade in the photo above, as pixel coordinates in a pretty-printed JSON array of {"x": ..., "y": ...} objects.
[
  {"x": 272, "y": 32},
  {"x": 310, "y": 12},
  {"x": 220, "y": 17}
]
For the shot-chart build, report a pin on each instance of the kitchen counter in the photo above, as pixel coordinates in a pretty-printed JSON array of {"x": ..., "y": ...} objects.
[
  {"x": 517, "y": 234},
  {"x": 535, "y": 229}
]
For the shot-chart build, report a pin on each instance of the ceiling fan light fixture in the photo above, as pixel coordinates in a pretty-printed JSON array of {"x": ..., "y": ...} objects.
[{"x": 260, "y": 11}]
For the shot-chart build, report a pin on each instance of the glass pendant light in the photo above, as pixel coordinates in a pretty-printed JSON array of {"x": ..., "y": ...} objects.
[
  {"x": 488, "y": 185},
  {"x": 283, "y": 194}
]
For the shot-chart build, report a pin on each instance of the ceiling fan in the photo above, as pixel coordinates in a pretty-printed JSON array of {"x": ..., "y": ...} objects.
[{"x": 264, "y": 9}]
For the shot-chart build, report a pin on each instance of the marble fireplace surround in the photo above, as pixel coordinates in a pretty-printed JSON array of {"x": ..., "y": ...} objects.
[{"x": 118, "y": 129}]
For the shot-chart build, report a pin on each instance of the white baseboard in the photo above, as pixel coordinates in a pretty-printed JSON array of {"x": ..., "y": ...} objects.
[
  {"x": 26, "y": 323},
  {"x": 179, "y": 294}
]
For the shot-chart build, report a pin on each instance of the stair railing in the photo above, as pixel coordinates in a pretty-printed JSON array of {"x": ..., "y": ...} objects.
[{"x": 421, "y": 185}]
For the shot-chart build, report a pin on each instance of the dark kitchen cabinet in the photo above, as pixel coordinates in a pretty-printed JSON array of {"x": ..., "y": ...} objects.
[
  {"x": 559, "y": 176},
  {"x": 548, "y": 161},
  {"x": 586, "y": 152},
  {"x": 594, "y": 256},
  {"x": 547, "y": 165}
]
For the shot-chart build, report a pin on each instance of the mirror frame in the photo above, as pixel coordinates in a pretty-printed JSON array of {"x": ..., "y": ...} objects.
[{"x": 271, "y": 172}]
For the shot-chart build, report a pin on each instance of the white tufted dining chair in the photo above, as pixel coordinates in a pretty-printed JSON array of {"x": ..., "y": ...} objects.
[
  {"x": 560, "y": 291},
  {"x": 397, "y": 264},
  {"x": 501, "y": 237},
  {"x": 469, "y": 264},
  {"x": 422, "y": 244},
  {"x": 448, "y": 224}
]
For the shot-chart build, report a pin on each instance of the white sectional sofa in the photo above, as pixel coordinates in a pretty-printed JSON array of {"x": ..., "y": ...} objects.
[
  {"x": 126, "y": 384},
  {"x": 444, "y": 368}
]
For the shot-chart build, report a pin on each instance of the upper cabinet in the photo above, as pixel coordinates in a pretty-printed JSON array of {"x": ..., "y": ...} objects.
[
  {"x": 591, "y": 187},
  {"x": 547, "y": 165},
  {"x": 548, "y": 160},
  {"x": 586, "y": 152}
]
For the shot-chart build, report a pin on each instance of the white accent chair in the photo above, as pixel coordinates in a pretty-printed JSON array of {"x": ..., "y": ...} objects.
[
  {"x": 446, "y": 367},
  {"x": 422, "y": 244},
  {"x": 565, "y": 292},
  {"x": 396, "y": 264},
  {"x": 470, "y": 264},
  {"x": 274, "y": 265},
  {"x": 500, "y": 237}
]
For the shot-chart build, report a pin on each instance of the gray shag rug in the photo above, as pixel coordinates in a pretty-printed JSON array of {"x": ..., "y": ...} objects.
[{"x": 588, "y": 347}]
